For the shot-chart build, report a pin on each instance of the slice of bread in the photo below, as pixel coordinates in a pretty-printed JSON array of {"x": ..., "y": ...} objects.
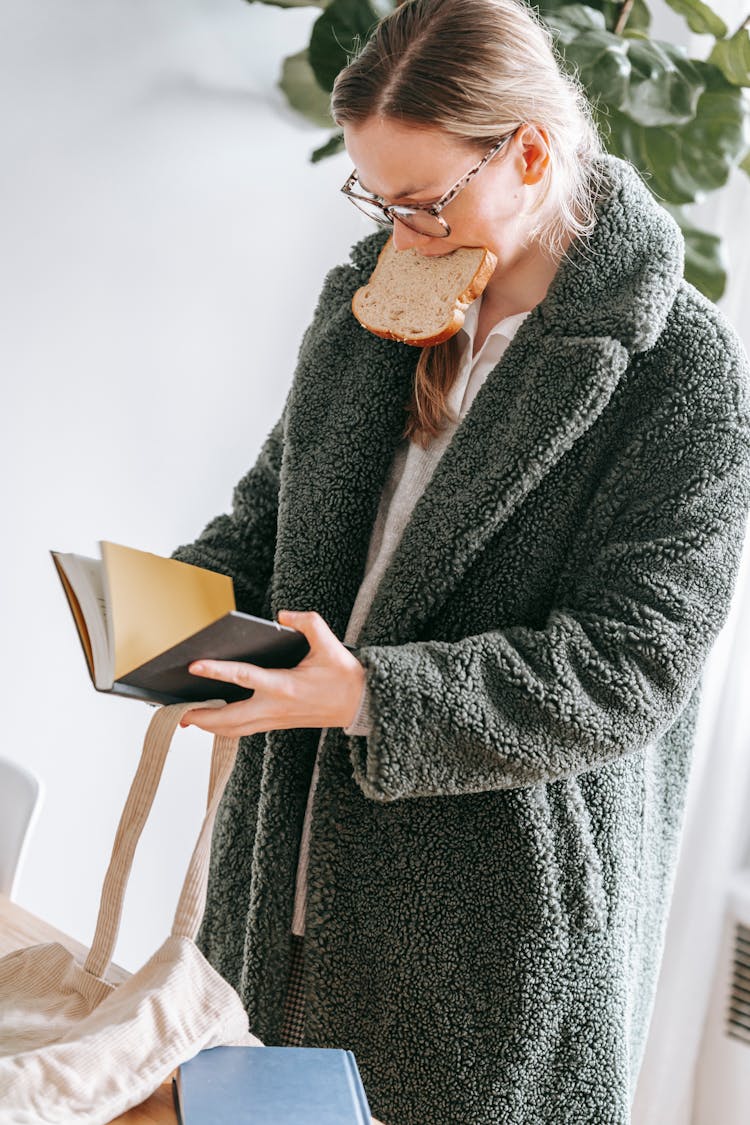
[{"x": 421, "y": 300}]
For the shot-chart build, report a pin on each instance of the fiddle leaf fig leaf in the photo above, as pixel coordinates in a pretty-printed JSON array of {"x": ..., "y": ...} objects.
[
  {"x": 683, "y": 162},
  {"x": 568, "y": 21},
  {"x": 700, "y": 18},
  {"x": 706, "y": 260},
  {"x": 334, "y": 144},
  {"x": 639, "y": 18},
  {"x": 732, "y": 56},
  {"x": 337, "y": 34},
  {"x": 302, "y": 91},
  {"x": 586, "y": 17},
  {"x": 664, "y": 85},
  {"x": 603, "y": 64}
]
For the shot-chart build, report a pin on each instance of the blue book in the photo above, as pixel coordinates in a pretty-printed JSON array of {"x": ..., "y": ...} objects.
[{"x": 271, "y": 1086}]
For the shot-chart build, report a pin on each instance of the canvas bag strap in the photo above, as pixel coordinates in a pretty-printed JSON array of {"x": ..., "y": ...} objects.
[
  {"x": 138, "y": 805},
  {"x": 192, "y": 899}
]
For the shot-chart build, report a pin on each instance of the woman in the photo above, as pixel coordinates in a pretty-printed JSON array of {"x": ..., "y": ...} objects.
[{"x": 527, "y": 537}]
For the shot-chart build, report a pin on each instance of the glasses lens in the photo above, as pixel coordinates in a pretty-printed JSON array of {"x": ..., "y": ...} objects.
[
  {"x": 421, "y": 221},
  {"x": 371, "y": 210}
]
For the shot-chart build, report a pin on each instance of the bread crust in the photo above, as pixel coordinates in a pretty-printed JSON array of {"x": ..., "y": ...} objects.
[{"x": 474, "y": 289}]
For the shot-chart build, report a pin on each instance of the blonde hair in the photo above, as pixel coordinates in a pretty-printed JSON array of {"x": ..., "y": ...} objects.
[{"x": 477, "y": 69}]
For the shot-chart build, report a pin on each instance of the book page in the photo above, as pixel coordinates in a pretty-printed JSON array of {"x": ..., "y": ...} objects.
[
  {"x": 156, "y": 602},
  {"x": 84, "y": 585}
]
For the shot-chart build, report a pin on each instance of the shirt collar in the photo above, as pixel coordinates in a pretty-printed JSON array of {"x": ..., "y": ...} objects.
[
  {"x": 460, "y": 395},
  {"x": 506, "y": 327}
]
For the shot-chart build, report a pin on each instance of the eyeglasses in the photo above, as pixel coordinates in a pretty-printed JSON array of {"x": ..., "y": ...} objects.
[{"x": 425, "y": 218}]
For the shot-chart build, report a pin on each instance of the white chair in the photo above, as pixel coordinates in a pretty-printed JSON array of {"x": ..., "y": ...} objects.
[{"x": 20, "y": 798}]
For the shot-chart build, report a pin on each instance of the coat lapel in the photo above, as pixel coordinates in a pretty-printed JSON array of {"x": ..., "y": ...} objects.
[{"x": 545, "y": 392}]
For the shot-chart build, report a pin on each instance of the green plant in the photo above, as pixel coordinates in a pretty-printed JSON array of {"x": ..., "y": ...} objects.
[{"x": 684, "y": 122}]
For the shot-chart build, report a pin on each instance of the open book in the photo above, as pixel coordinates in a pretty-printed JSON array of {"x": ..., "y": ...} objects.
[{"x": 142, "y": 619}]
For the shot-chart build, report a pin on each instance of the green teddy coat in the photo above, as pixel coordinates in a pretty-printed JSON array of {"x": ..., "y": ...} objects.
[{"x": 490, "y": 869}]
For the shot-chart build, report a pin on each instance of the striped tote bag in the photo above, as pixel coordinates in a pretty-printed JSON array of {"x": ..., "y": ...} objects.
[{"x": 77, "y": 1047}]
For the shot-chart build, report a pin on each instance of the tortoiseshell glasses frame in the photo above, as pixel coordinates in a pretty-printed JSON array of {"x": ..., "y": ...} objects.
[{"x": 384, "y": 213}]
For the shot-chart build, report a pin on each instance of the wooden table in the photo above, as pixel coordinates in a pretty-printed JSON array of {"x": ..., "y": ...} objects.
[{"x": 18, "y": 927}]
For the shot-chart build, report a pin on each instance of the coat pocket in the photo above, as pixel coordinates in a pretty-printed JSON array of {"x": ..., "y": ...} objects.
[{"x": 573, "y": 879}]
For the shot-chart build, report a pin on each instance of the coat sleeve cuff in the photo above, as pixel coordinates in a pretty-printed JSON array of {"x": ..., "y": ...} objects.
[{"x": 362, "y": 722}]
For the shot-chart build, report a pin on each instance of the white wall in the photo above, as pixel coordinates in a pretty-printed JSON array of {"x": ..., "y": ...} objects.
[{"x": 164, "y": 239}]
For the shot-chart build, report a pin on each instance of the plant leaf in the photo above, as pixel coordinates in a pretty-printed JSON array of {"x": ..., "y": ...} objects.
[
  {"x": 334, "y": 144},
  {"x": 655, "y": 84},
  {"x": 337, "y": 34},
  {"x": 700, "y": 18},
  {"x": 640, "y": 16},
  {"x": 732, "y": 56},
  {"x": 602, "y": 63},
  {"x": 706, "y": 260},
  {"x": 567, "y": 21},
  {"x": 302, "y": 91},
  {"x": 683, "y": 162},
  {"x": 664, "y": 86},
  {"x": 706, "y": 263},
  {"x": 583, "y": 16},
  {"x": 638, "y": 20}
]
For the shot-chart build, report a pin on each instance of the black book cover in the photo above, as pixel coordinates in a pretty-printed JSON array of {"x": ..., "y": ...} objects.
[{"x": 235, "y": 636}]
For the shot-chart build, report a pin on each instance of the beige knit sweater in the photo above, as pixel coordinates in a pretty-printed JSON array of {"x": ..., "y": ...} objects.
[{"x": 409, "y": 474}]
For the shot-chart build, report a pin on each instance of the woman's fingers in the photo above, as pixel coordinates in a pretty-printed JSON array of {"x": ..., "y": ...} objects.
[
  {"x": 241, "y": 717},
  {"x": 320, "y": 691},
  {"x": 245, "y": 716},
  {"x": 239, "y": 672},
  {"x": 204, "y": 721}
]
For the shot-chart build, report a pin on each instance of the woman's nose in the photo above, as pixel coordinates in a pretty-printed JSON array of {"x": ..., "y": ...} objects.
[{"x": 405, "y": 238}]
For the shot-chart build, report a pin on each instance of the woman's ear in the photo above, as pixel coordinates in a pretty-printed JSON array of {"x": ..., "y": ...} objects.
[{"x": 536, "y": 153}]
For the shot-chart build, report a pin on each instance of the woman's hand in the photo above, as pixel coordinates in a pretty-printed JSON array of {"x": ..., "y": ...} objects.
[{"x": 323, "y": 690}]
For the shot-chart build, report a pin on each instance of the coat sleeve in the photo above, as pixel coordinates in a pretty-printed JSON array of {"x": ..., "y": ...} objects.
[{"x": 645, "y": 592}]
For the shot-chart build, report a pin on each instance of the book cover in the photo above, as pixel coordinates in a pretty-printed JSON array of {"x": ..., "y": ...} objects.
[
  {"x": 142, "y": 619},
  {"x": 271, "y": 1086},
  {"x": 235, "y": 636}
]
